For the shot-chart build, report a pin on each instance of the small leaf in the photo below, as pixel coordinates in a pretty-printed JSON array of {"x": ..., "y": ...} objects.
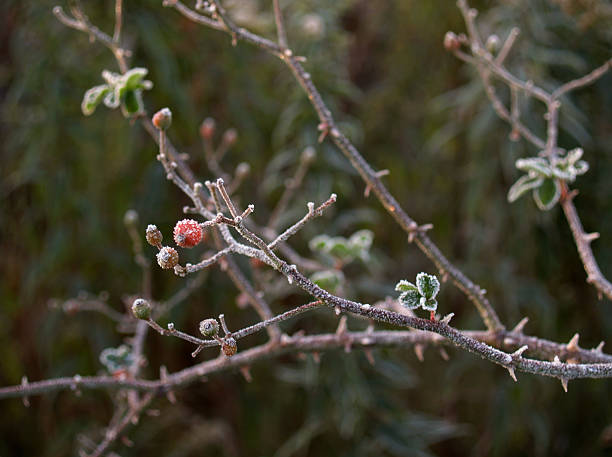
[
  {"x": 92, "y": 98},
  {"x": 522, "y": 185},
  {"x": 319, "y": 243},
  {"x": 564, "y": 172},
  {"x": 547, "y": 195},
  {"x": 339, "y": 247},
  {"x": 362, "y": 239},
  {"x": 581, "y": 167},
  {"x": 132, "y": 79},
  {"x": 329, "y": 280},
  {"x": 573, "y": 156},
  {"x": 538, "y": 165},
  {"x": 405, "y": 286},
  {"x": 428, "y": 285},
  {"x": 132, "y": 103},
  {"x": 410, "y": 299},
  {"x": 112, "y": 99},
  {"x": 429, "y": 305}
]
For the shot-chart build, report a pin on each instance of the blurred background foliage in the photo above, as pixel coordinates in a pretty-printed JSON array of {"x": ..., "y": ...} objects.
[{"x": 66, "y": 182}]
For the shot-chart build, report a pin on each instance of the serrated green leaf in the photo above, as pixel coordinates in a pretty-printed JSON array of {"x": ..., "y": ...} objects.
[
  {"x": 92, "y": 98},
  {"x": 547, "y": 195},
  {"x": 538, "y": 165},
  {"x": 410, "y": 299},
  {"x": 522, "y": 185},
  {"x": 428, "y": 285},
  {"x": 405, "y": 286}
]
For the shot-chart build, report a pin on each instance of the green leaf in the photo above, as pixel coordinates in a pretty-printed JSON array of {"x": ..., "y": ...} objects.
[
  {"x": 547, "y": 195},
  {"x": 573, "y": 156},
  {"x": 132, "y": 103},
  {"x": 410, "y": 299},
  {"x": 339, "y": 247},
  {"x": 319, "y": 243},
  {"x": 428, "y": 285},
  {"x": 581, "y": 167},
  {"x": 537, "y": 165},
  {"x": 405, "y": 286},
  {"x": 92, "y": 98},
  {"x": 522, "y": 185},
  {"x": 429, "y": 305},
  {"x": 329, "y": 280},
  {"x": 133, "y": 78},
  {"x": 564, "y": 171},
  {"x": 112, "y": 99},
  {"x": 362, "y": 239}
]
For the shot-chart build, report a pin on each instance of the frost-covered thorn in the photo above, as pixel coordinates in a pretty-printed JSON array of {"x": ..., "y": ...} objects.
[
  {"x": 419, "y": 350},
  {"x": 589, "y": 237},
  {"x": 337, "y": 310},
  {"x": 366, "y": 307},
  {"x": 316, "y": 357},
  {"x": 599, "y": 348},
  {"x": 171, "y": 326},
  {"x": 290, "y": 279},
  {"x": 556, "y": 360},
  {"x": 310, "y": 206},
  {"x": 444, "y": 276},
  {"x": 288, "y": 52},
  {"x": 518, "y": 328},
  {"x": 572, "y": 345},
  {"x": 334, "y": 132},
  {"x": 564, "y": 382},
  {"x": 24, "y": 384},
  {"x": 369, "y": 356},
  {"x": 512, "y": 373},
  {"x": 412, "y": 229},
  {"x": 285, "y": 339},
  {"x": 444, "y": 354},
  {"x": 197, "y": 187},
  {"x": 446, "y": 319},
  {"x": 341, "y": 330},
  {"x": 519, "y": 352}
]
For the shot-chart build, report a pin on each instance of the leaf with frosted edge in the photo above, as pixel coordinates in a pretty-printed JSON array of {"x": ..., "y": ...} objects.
[
  {"x": 405, "y": 286},
  {"x": 92, "y": 98},
  {"x": 410, "y": 299},
  {"x": 319, "y": 243},
  {"x": 564, "y": 172},
  {"x": 429, "y": 305},
  {"x": 574, "y": 156},
  {"x": 537, "y": 165},
  {"x": 581, "y": 167},
  {"x": 428, "y": 285},
  {"x": 132, "y": 103},
  {"x": 362, "y": 239},
  {"x": 116, "y": 358},
  {"x": 548, "y": 194},
  {"x": 522, "y": 185},
  {"x": 339, "y": 247},
  {"x": 329, "y": 280},
  {"x": 112, "y": 99},
  {"x": 133, "y": 78}
]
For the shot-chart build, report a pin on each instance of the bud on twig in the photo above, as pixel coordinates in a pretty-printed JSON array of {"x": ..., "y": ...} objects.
[
  {"x": 207, "y": 129},
  {"x": 154, "y": 236},
  {"x": 451, "y": 41},
  {"x": 141, "y": 309},
  {"x": 167, "y": 258},
  {"x": 162, "y": 119},
  {"x": 209, "y": 328}
]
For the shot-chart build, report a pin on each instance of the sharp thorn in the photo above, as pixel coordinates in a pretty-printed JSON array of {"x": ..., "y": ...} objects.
[
  {"x": 519, "y": 351},
  {"x": 341, "y": 330},
  {"x": 573, "y": 343},
  {"x": 369, "y": 356},
  {"x": 245, "y": 371},
  {"x": 591, "y": 236},
  {"x": 599, "y": 347},
  {"x": 512, "y": 374},
  {"x": 564, "y": 382},
  {"x": 446, "y": 319},
  {"x": 556, "y": 360},
  {"x": 418, "y": 350},
  {"x": 521, "y": 325},
  {"x": 444, "y": 354}
]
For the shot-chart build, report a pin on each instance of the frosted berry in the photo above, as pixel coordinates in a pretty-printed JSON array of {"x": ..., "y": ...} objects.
[
  {"x": 230, "y": 136},
  {"x": 154, "y": 236},
  {"x": 207, "y": 129},
  {"x": 229, "y": 346},
  {"x": 209, "y": 328},
  {"x": 167, "y": 258},
  {"x": 162, "y": 119},
  {"x": 187, "y": 233},
  {"x": 141, "y": 309}
]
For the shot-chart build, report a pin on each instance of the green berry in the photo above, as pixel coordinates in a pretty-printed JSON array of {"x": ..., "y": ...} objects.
[{"x": 141, "y": 309}]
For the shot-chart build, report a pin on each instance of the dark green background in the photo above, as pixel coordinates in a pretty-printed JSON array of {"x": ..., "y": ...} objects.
[{"x": 67, "y": 180}]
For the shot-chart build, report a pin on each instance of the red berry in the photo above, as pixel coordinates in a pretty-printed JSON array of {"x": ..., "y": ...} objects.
[
  {"x": 162, "y": 119},
  {"x": 187, "y": 233}
]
